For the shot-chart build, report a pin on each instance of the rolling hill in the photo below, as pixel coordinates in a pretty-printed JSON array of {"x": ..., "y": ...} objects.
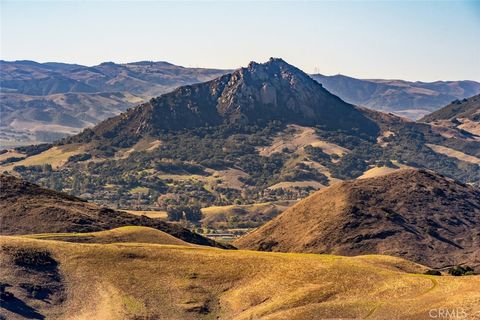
[
  {"x": 405, "y": 98},
  {"x": 45, "y": 101},
  {"x": 127, "y": 234},
  {"x": 25, "y": 208},
  {"x": 414, "y": 214},
  {"x": 263, "y": 133},
  {"x": 55, "y": 279}
]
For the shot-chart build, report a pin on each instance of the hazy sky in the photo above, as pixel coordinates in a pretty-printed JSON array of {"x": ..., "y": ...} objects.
[{"x": 383, "y": 39}]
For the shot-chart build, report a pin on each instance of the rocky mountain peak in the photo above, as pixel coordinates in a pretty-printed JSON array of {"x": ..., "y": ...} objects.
[{"x": 258, "y": 93}]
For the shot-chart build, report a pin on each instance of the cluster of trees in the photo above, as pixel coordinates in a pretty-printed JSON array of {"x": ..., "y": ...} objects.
[
  {"x": 190, "y": 213},
  {"x": 198, "y": 150}
]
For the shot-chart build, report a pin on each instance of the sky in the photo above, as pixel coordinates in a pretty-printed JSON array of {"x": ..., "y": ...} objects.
[{"x": 411, "y": 40}]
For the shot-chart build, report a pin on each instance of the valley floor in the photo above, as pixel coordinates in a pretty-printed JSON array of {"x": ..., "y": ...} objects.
[{"x": 137, "y": 280}]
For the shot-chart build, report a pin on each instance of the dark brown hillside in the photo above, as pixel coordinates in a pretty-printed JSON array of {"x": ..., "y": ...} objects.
[
  {"x": 26, "y": 208},
  {"x": 415, "y": 214},
  {"x": 258, "y": 93},
  {"x": 466, "y": 108},
  {"x": 463, "y": 115}
]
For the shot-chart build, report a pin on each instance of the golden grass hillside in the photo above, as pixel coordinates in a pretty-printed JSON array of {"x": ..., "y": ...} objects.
[
  {"x": 55, "y": 156},
  {"x": 61, "y": 280},
  {"x": 248, "y": 215},
  {"x": 132, "y": 234},
  {"x": 230, "y": 216},
  {"x": 415, "y": 214}
]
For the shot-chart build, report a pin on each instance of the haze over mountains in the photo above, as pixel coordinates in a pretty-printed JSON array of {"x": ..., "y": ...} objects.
[
  {"x": 42, "y": 100},
  {"x": 405, "y": 98},
  {"x": 45, "y": 101}
]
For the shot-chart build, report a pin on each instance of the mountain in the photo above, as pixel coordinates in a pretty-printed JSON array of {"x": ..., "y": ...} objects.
[
  {"x": 26, "y": 208},
  {"x": 262, "y": 133},
  {"x": 405, "y": 98},
  {"x": 43, "y": 101},
  {"x": 460, "y": 114},
  {"x": 273, "y": 91},
  {"x": 414, "y": 214},
  {"x": 127, "y": 281},
  {"x": 46, "y": 101}
]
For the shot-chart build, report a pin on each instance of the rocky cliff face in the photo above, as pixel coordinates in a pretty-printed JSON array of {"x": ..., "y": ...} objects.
[{"x": 257, "y": 94}]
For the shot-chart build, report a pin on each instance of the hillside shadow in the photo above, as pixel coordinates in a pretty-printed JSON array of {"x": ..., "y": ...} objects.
[{"x": 19, "y": 307}]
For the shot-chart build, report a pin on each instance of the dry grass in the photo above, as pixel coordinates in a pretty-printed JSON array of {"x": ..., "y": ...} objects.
[
  {"x": 55, "y": 156},
  {"x": 245, "y": 216},
  {"x": 137, "y": 190},
  {"x": 214, "y": 210},
  {"x": 454, "y": 153},
  {"x": 299, "y": 184},
  {"x": 296, "y": 138},
  {"x": 372, "y": 215},
  {"x": 470, "y": 126},
  {"x": 114, "y": 281},
  {"x": 131, "y": 234},
  {"x": 149, "y": 213},
  {"x": 11, "y": 154},
  {"x": 146, "y": 144},
  {"x": 229, "y": 178},
  {"x": 376, "y": 171},
  {"x": 381, "y": 171}
]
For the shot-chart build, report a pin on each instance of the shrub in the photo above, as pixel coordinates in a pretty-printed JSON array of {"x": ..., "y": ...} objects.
[
  {"x": 460, "y": 271},
  {"x": 433, "y": 272}
]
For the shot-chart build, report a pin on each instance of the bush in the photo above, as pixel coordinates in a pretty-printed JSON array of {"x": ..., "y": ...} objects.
[
  {"x": 433, "y": 272},
  {"x": 34, "y": 149},
  {"x": 460, "y": 271},
  {"x": 31, "y": 257},
  {"x": 79, "y": 157}
]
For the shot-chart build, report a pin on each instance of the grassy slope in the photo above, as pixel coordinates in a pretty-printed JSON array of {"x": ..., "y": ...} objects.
[
  {"x": 132, "y": 234},
  {"x": 454, "y": 153},
  {"x": 56, "y": 157},
  {"x": 257, "y": 213},
  {"x": 114, "y": 281}
]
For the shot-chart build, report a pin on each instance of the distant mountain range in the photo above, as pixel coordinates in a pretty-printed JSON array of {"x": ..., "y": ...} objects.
[
  {"x": 41, "y": 102},
  {"x": 261, "y": 133},
  {"x": 405, "y": 98}
]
